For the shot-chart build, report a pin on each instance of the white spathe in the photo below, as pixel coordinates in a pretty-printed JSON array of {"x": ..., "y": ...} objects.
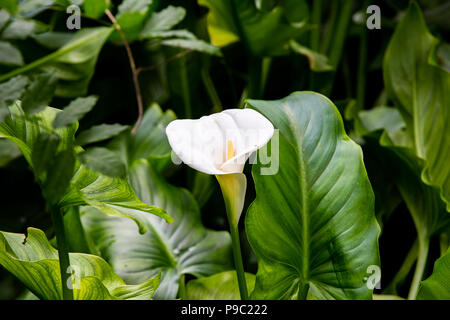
[{"x": 220, "y": 143}]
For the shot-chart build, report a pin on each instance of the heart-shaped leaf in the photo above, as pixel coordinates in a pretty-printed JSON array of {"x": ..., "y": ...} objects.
[
  {"x": 35, "y": 263},
  {"x": 312, "y": 225}
]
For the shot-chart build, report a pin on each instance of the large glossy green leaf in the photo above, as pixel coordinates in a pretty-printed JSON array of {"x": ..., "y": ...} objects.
[
  {"x": 265, "y": 33},
  {"x": 112, "y": 196},
  {"x": 437, "y": 286},
  {"x": 35, "y": 263},
  {"x": 312, "y": 225},
  {"x": 184, "y": 247},
  {"x": 220, "y": 286},
  {"x": 421, "y": 91},
  {"x": 74, "y": 63}
]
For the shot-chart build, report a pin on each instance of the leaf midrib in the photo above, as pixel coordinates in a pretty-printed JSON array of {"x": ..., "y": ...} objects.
[{"x": 303, "y": 189}]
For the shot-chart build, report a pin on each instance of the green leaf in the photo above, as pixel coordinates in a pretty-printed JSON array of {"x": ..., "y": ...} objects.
[
  {"x": 10, "y": 55},
  {"x": 45, "y": 148},
  {"x": 59, "y": 173},
  {"x": 381, "y": 118},
  {"x": 39, "y": 93},
  {"x": 103, "y": 161},
  {"x": 100, "y": 133},
  {"x": 10, "y": 5},
  {"x": 423, "y": 201},
  {"x": 312, "y": 225},
  {"x": 159, "y": 24},
  {"x": 20, "y": 29},
  {"x": 441, "y": 56},
  {"x": 221, "y": 286},
  {"x": 437, "y": 286},
  {"x": 163, "y": 20},
  {"x": 8, "y": 152},
  {"x": 95, "y": 8},
  {"x": 131, "y": 16},
  {"x": 150, "y": 141},
  {"x": 74, "y": 63},
  {"x": 4, "y": 18},
  {"x": 193, "y": 44},
  {"x": 74, "y": 111},
  {"x": 317, "y": 62},
  {"x": 35, "y": 263},
  {"x": 183, "y": 34},
  {"x": 184, "y": 247},
  {"x": 113, "y": 196},
  {"x": 420, "y": 91},
  {"x": 264, "y": 33},
  {"x": 10, "y": 91}
]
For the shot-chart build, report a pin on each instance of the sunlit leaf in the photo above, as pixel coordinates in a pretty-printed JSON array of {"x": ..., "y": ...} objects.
[{"x": 32, "y": 260}]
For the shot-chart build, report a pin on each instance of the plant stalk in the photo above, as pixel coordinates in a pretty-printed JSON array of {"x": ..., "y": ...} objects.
[
  {"x": 239, "y": 265},
  {"x": 420, "y": 268},
  {"x": 63, "y": 252},
  {"x": 233, "y": 188}
]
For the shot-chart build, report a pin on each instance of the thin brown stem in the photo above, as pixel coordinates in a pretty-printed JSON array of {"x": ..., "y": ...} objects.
[
  {"x": 133, "y": 70},
  {"x": 162, "y": 63}
]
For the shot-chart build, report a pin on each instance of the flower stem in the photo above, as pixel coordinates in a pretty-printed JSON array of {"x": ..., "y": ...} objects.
[
  {"x": 233, "y": 188},
  {"x": 239, "y": 265},
  {"x": 63, "y": 251},
  {"x": 420, "y": 268}
]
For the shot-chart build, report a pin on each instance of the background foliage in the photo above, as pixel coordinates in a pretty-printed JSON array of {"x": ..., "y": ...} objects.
[{"x": 388, "y": 91}]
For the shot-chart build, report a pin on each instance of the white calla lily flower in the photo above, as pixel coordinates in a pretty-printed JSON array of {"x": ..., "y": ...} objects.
[{"x": 220, "y": 144}]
